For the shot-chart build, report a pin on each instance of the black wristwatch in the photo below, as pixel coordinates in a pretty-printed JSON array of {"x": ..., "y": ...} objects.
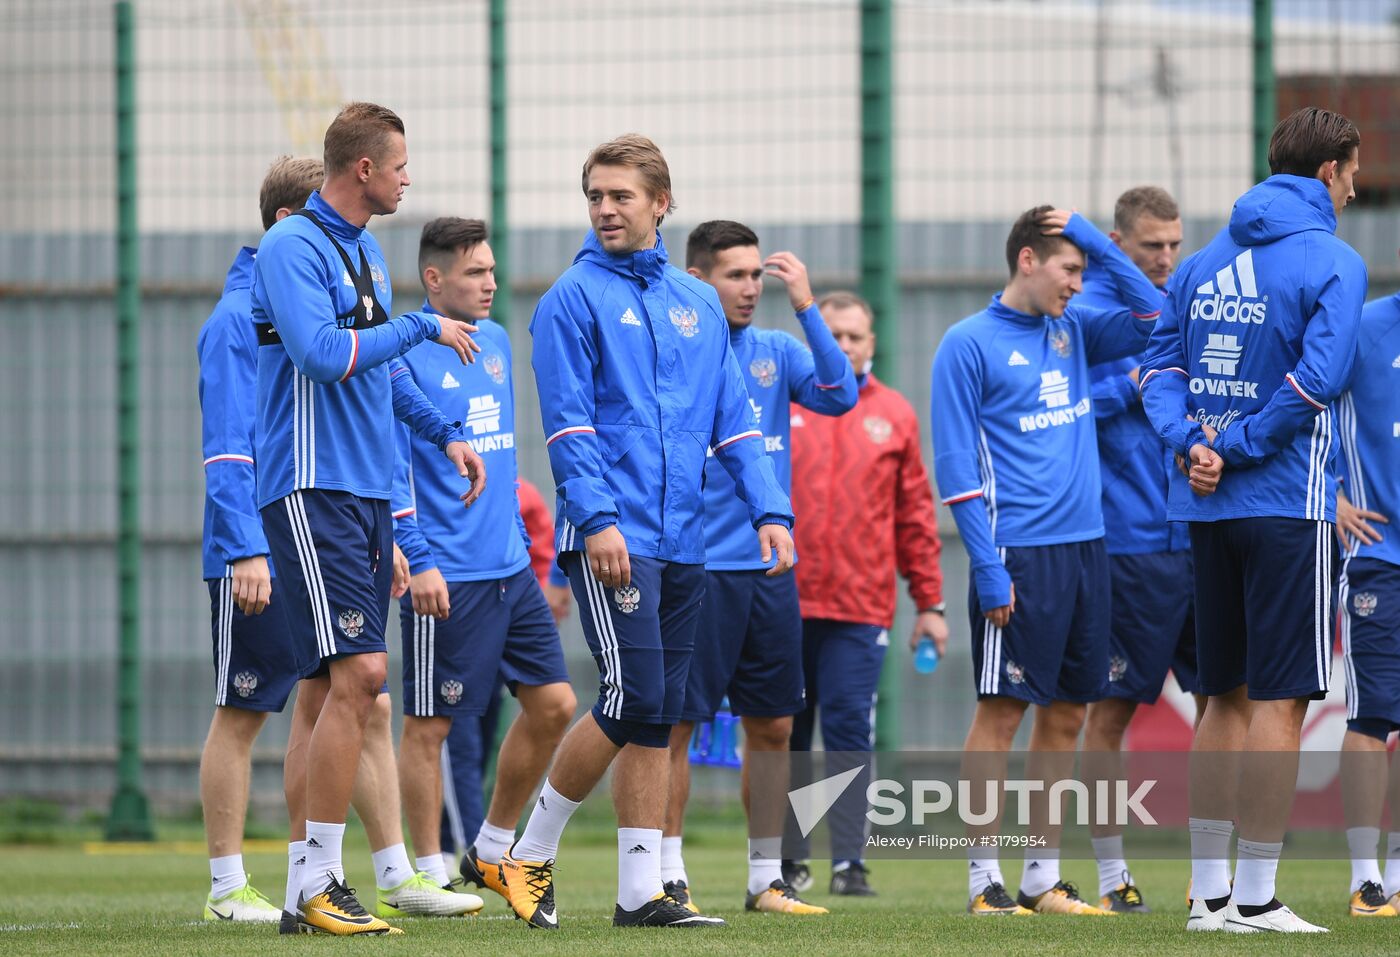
[{"x": 937, "y": 609}]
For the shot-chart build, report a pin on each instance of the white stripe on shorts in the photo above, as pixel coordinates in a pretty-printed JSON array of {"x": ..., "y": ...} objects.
[{"x": 607, "y": 640}]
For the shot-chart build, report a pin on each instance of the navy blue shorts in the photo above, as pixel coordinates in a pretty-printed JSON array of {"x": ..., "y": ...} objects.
[
  {"x": 255, "y": 664},
  {"x": 502, "y": 627},
  {"x": 1264, "y": 606},
  {"x": 748, "y": 645},
  {"x": 1153, "y": 625},
  {"x": 1369, "y": 596},
  {"x": 334, "y": 554},
  {"x": 1055, "y": 648},
  {"x": 641, "y": 636}
]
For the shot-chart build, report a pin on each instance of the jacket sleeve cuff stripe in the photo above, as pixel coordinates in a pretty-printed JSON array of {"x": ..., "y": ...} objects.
[
  {"x": 835, "y": 386},
  {"x": 354, "y": 354},
  {"x": 404, "y": 512},
  {"x": 228, "y": 457},
  {"x": 963, "y": 497},
  {"x": 1306, "y": 398},
  {"x": 1148, "y": 377},
  {"x": 1147, "y": 315},
  {"x": 751, "y": 434},
  {"x": 570, "y": 431}
]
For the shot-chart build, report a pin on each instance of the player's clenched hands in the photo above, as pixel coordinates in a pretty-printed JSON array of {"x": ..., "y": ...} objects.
[
  {"x": 456, "y": 335},
  {"x": 607, "y": 556},
  {"x": 401, "y": 574},
  {"x": 430, "y": 596},
  {"x": 1206, "y": 467},
  {"x": 252, "y": 584},
  {"x": 793, "y": 273},
  {"x": 775, "y": 539},
  {"x": 1354, "y": 524},
  {"x": 469, "y": 466},
  {"x": 1001, "y": 615}
]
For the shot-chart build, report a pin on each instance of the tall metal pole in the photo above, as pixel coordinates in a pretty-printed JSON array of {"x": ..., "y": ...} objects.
[
  {"x": 1265, "y": 102},
  {"x": 130, "y": 816},
  {"x": 879, "y": 259},
  {"x": 500, "y": 184}
]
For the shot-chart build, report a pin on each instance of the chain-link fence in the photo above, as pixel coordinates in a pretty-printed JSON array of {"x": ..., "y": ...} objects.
[{"x": 996, "y": 106}]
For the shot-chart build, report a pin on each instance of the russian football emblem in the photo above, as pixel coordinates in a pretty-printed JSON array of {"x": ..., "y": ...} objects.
[
  {"x": 764, "y": 371},
  {"x": 1365, "y": 604},
  {"x": 628, "y": 599},
  {"x": 377, "y": 275},
  {"x": 352, "y": 622},
  {"x": 495, "y": 367},
  {"x": 1015, "y": 673},
  {"x": 1059, "y": 341},
  {"x": 686, "y": 320},
  {"x": 878, "y": 429},
  {"x": 451, "y": 691},
  {"x": 368, "y": 303},
  {"x": 245, "y": 683},
  {"x": 1117, "y": 668}
]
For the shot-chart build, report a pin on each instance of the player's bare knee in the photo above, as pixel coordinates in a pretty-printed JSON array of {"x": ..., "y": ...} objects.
[
  {"x": 768, "y": 733},
  {"x": 553, "y": 707},
  {"x": 680, "y": 738}
]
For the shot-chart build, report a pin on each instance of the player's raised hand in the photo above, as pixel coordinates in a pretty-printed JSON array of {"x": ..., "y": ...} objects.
[
  {"x": 252, "y": 584},
  {"x": 1054, "y": 222},
  {"x": 1001, "y": 615},
  {"x": 401, "y": 574},
  {"x": 1354, "y": 524},
  {"x": 430, "y": 594},
  {"x": 1206, "y": 469},
  {"x": 793, "y": 273},
  {"x": 607, "y": 556},
  {"x": 775, "y": 539},
  {"x": 456, "y": 335},
  {"x": 469, "y": 466}
]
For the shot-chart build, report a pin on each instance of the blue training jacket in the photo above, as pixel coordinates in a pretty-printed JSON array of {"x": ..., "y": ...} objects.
[
  {"x": 1368, "y": 420},
  {"x": 228, "y": 380},
  {"x": 486, "y": 541},
  {"x": 637, "y": 381},
  {"x": 778, "y": 370},
  {"x": 1256, "y": 339},
  {"x": 1134, "y": 466},
  {"x": 1015, "y": 453},
  {"x": 325, "y": 405}
]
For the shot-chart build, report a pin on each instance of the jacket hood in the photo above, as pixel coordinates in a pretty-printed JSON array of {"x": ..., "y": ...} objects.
[
  {"x": 1281, "y": 206},
  {"x": 647, "y": 264}
]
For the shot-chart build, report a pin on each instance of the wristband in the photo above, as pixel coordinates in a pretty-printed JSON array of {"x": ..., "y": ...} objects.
[
  {"x": 937, "y": 609},
  {"x": 806, "y": 305}
]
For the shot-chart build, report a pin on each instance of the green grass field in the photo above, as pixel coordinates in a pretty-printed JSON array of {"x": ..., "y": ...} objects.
[{"x": 66, "y": 899}]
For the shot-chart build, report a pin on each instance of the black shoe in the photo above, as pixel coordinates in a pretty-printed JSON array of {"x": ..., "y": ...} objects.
[
  {"x": 798, "y": 874},
  {"x": 662, "y": 911},
  {"x": 679, "y": 891},
  {"x": 290, "y": 924},
  {"x": 851, "y": 882}
]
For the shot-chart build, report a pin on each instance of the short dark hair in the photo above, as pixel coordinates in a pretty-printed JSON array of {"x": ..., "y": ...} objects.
[
  {"x": 1307, "y": 138},
  {"x": 359, "y": 130},
  {"x": 844, "y": 299},
  {"x": 715, "y": 236},
  {"x": 1026, "y": 232},
  {"x": 1151, "y": 201},
  {"x": 444, "y": 237},
  {"x": 639, "y": 153},
  {"x": 288, "y": 185}
]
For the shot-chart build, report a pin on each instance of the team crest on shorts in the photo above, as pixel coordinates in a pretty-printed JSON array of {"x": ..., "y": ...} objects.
[
  {"x": 1364, "y": 603},
  {"x": 764, "y": 371},
  {"x": 1117, "y": 668},
  {"x": 352, "y": 622},
  {"x": 377, "y": 275},
  {"x": 495, "y": 367},
  {"x": 1015, "y": 673},
  {"x": 628, "y": 599},
  {"x": 451, "y": 691},
  {"x": 686, "y": 320},
  {"x": 245, "y": 683},
  {"x": 1059, "y": 341},
  {"x": 878, "y": 429}
]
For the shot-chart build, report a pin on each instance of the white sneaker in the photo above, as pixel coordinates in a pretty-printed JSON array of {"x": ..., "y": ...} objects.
[
  {"x": 419, "y": 896},
  {"x": 244, "y": 904},
  {"x": 1279, "y": 919},
  {"x": 1203, "y": 918}
]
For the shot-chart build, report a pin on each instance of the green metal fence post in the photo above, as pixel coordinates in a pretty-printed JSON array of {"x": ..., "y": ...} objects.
[
  {"x": 130, "y": 816},
  {"x": 1265, "y": 103},
  {"x": 500, "y": 184},
  {"x": 879, "y": 259}
]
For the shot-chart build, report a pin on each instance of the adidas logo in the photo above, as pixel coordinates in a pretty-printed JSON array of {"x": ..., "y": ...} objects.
[
  {"x": 638, "y": 849},
  {"x": 1395, "y": 363},
  {"x": 1034, "y": 866},
  {"x": 543, "y": 807},
  {"x": 1222, "y": 354},
  {"x": 1222, "y": 299},
  {"x": 388, "y": 869},
  {"x": 1017, "y": 359},
  {"x": 345, "y": 279},
  {"x": 449, "y": 381},
  {"x": 312, "y": 842},
  {"x": 300, "y": 861},
  {"x": 629, "y": 318},
  {"x": 1054, "y": 389}
]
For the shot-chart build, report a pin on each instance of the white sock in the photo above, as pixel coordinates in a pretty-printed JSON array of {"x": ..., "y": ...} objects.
[
  {"x": 765, "y": 862},
  {"x": 493, "y": 841},
  {"x": 1392, "y": 862},
  {"x": 322, "y": 857},
  {"x": 1041, "y": 872},
  {"x": 672, "y": 860},
  {"x": 1210, "y": 858},
  {"x": 1362, "y": 842},
  {"x": 981, "y": 871},
  {"x": 226, "y": 875},
  {"x": 296, "y": 860},
  {"x": 391, "y": 866},
  {"x": 434, "y": 866},
  {"x": 1255, "y": 872},
  {"x": 1113, "y": 869},
  {"x": 638, "y": 866},
  {"x": 449, "y": 863},
  {"x": 540, "y": 842}
]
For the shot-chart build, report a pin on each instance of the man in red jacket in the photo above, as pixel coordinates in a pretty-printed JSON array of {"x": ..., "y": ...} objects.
[{"x": 866, "y": 510}]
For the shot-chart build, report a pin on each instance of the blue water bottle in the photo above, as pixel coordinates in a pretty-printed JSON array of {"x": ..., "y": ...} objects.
[{"x": 926, "y": 657}]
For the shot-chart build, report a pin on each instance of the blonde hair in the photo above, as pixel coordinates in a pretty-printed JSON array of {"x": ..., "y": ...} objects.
[
  {"x": 639, "y": 153},
  {"x": 288, "y": 184}
]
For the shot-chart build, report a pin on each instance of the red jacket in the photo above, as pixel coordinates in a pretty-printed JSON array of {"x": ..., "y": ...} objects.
[
  {"x": 864, "y": 508},
  {"x": 539, "y": 525}
]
